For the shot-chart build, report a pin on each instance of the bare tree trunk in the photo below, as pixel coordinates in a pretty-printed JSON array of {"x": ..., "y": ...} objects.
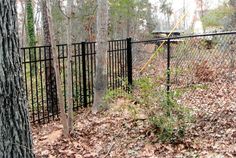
[
  {"x": 50, "y": 72},
  {"x": 15, "y": 134},
  {"x": 128, "y": 28},
  {"x": 22, "y": 31},
  {"x": 128, "y": 22},
  {"x": 57, "y": 73},
  {"x": 100, "y": 83},
  {"x": 69, "y": 66}
]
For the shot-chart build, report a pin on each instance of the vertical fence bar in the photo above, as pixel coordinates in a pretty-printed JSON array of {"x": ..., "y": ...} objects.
[
  {"x": 72, "y": 76},
  {"x": 93, "y": 66},
  {"x": 46, "y": 74},
  {"x": 108, "y": 66},
  {"x": 64, "y": 55},
  {"x": 88, "y": 68},
  {"x": 36, "y": 83},
  {"x": 113, "y": 65},
  {"x": 123, "y": 62},
  {"x": 50, "y": 82},
  {"x": 58, "y": 55},
  {"x": 26, "y": 84},
  {"x": 129, "y": 63},
  {"x": 31, "y": 85},
  {"x": 41, "y": 82},
  {"x": 76, "y": 77},
  {"x": 118, "y": 63},
  {"x": 80, "y": 72},
  {"x": 84, "y": 74},
  {"x": 168, "y": 71}
]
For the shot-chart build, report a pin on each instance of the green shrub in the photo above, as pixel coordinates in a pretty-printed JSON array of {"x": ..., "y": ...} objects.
[
  {"x": 145, "y": 91},
  {"x": 171, "y": 123},
  {"x": 168, "y": 118}
]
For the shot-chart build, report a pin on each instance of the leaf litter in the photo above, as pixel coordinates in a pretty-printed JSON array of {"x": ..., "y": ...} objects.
[{"x": 118, "y": 133}]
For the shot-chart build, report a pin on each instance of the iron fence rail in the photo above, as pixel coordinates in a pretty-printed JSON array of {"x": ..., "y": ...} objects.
[{"x": 39, "y": 76}]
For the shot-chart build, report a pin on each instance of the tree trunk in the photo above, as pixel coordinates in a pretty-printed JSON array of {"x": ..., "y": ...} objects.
[
  {"x": 30, "y": 31},
  {"x": 100, "y": 83},
  {"x": 30, "y": 23},
  {"x": 51, "y": 87},
  {"x": 23, "y": 22},
  {"x": 15, "y": 134},
  {"x": 57, "y": 73},
  {"x": 128, "y": 21},
  {"x": 233, "y": 17},
  {"x": 69, "y": 66}
]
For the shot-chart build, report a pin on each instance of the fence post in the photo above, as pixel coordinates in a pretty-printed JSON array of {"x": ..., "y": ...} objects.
[
  {"x": 84, "y": 74},
  {"x": 129, "y": 63},
  {"x": 168, "y": 72}
]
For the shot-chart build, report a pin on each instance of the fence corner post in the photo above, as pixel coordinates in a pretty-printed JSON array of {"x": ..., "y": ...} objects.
[{"x": 129, "y": 64}]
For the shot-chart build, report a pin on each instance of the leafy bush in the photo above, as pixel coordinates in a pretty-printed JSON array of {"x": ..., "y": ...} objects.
[
  {"x": 170, "y": 124},
  {"x": 145, "y": 88},
  {"x": 168, "y": 118}
]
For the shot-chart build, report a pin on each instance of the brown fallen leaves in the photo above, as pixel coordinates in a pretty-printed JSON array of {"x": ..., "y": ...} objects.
[
  {"x": 117, "y": 133},
  {"x": 204, "y": 73}
]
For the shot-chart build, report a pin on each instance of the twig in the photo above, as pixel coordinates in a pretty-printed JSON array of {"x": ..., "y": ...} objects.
[
  {"x": 60, "y": 8},
  {"x": 109, "y": 150}
]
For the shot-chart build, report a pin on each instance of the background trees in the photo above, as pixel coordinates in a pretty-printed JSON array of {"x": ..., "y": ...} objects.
[
  {"x": 15, "y": 135},
  {"x": 126, "y": 18},
  {"x": 166, "y": 9},
  {"x": 50, "y": 71},
  {"x": 222, "y": 17}
]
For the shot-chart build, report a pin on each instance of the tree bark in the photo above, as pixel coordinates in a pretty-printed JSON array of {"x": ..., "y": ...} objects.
[
  {"x": 233, "y": 17},
  {"x": 128, "y": 21},
  {"x": 57, "y": 73},
  {"x": 69, "y": 66},
  {"x": 100, "y": 83},
  {"x": 15, "y": 134},
  {"x": 51, "y": 87}
]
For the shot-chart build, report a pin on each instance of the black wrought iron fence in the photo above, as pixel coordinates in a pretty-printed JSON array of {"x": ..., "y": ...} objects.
[{"x": 40, "y": 82}]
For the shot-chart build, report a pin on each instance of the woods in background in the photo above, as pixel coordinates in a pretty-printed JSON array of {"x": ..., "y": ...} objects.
[{"x": 126, "y": 18}]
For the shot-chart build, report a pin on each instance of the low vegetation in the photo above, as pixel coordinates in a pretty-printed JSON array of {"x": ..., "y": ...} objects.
[{"x": 167, "y": 118}]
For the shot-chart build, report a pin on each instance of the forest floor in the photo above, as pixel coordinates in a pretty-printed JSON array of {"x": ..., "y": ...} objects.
[
  {"x": 118, "y": 132},
  {"x": 115, "y": 133}
]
